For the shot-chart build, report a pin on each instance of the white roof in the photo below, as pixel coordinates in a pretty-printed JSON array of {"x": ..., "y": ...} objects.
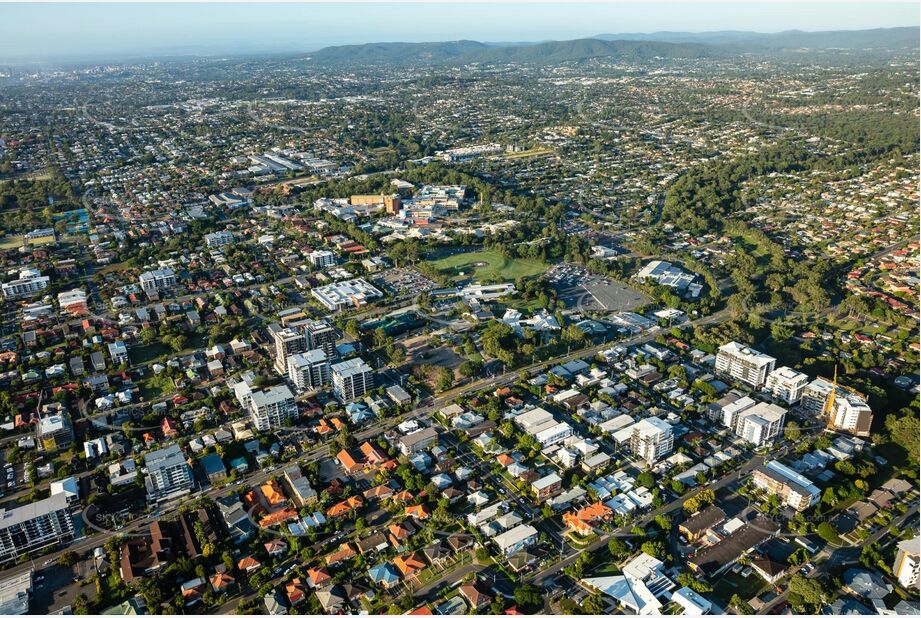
[{"x": 515, "y": 535}]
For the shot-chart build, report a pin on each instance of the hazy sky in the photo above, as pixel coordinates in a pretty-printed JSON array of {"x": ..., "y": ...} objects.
[{"x": 31, "y": 31}]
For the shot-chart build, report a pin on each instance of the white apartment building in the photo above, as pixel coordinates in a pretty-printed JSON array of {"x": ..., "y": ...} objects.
[
  {"x": 543, "y": 427},
  {"x": 760, "y": 423},
  {"x": 322, "y": 258},
  {"x": 272, "y": 407},
  {"x": 218, "y": 239},
  {"x": 309, "y": 370},
  {"x": 652, "y": 439},
  {"x": 343, "y": 295},
  {"x": 744, "y": 364},
  {"x": 30, "y": 282},
  {"x": 154, "y": 280},
  {"x": 786, "y": 384},
  {"x": 352, "y": 379},
  {"x": 850, "y": 413},
  {"x": 29, "y": 528},
  {"x": 907, "y": 565},
  {"x": 168, "y": 474}
]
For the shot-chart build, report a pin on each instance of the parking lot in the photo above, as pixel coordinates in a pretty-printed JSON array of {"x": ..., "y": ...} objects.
[
  {"x": 405, "y": 281},
  {"x": 585, "y": 291}
]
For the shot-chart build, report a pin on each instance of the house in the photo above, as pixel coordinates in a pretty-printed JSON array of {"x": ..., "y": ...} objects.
[
  {"x": 332, "y": 599},
  {"x": 436, "y": 553},
  {"x": 248, "y": 564},
  {"x": 477, "y": 599},
  {"x": 296, "y": 591},
  {"x": 275, "y": 604},
  {"x": 409, "y": 564},
  {"x": 276, "y": 547},
  {"x": 768, "y": 570},
  {"x": 383, "y": 575},
  {"x": 213, "y": 467},
  {"x": 318, "y": 577},
  {"x": 514, "y": 540},
  {"x": 222, "y": 582},
  {"x": 192, "y": 590},
  {"x": 581, "y": 522}
]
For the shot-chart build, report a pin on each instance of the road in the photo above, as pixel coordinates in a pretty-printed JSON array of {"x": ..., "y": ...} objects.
[{"x": 845, "y": 555}]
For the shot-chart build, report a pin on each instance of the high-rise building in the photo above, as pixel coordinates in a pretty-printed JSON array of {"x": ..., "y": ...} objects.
[
  {"x": 652, "y": 439},
  {"x": 320, "y": 335},
  {"x": 786, "y": 384},
  {"x": 760, "y": 423},
  {"x": 844, "y": 408},
  {"x": 744, "y": 364},
  {"x": 793, "y": 488},
  {"x": 272, "y": 407},
  {"x": 351, "y": 379},
  {"x": 850, "y": 413},
  {"x": 168, "y": 474},
  {"x": 35, "y": 526},
  {"x": 907, "y": 565},
  {"x": 288, "y": 342},
  {"x": 309, "y": 370},
  {"x": 322, "y": 258}
]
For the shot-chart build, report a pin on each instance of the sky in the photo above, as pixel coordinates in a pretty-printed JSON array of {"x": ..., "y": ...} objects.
[{"x": 116, "y": 31}]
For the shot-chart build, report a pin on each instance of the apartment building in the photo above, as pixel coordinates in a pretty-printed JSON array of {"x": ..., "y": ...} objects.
[
  {"x": 218, "y": 239},
  {"x": 309, "y": 370},
  {"x": 417, "y": 441},
  {"x": 846, "y": 409},
  {"x": 154, "y": 280},
  {"x": 744, "y": 364},
  {"x": 272, "y": 407},
  {"x": 850, "y": 413},
  {"x": 54, "y": 431},
  {"x": 352, "y": 379},
  {"x": 815, "y": 396},
  {"x": 32, "y": 527},
  {"x": 73, "y": 302},
  {"x": 652, "y": 439},
  {"x": 758, "y": 423},
  {"x": 30, "y": 282},
  {"x": 907, "y": 565},
  {"x": 794, "y": 489},
  {"x": 786, "y": 384},
  {"x": 322, "y": 258},
  {"x": 543, "y": 427},
  {"x": 288, "y": 342},
  {"x": 168, "y": 474},
  {"x": 320, "y": 335}
]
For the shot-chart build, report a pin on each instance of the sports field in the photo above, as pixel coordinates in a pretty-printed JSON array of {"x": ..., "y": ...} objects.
[{"x": 487, "y": 265}]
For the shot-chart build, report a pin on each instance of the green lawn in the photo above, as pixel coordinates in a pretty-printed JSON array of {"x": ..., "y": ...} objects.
[
  {"x": 733, "y": 583},
  {"x": 484, "y": 265}
]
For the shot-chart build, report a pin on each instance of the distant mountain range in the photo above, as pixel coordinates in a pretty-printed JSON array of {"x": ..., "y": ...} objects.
[{"x": 631, "y": 46}]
